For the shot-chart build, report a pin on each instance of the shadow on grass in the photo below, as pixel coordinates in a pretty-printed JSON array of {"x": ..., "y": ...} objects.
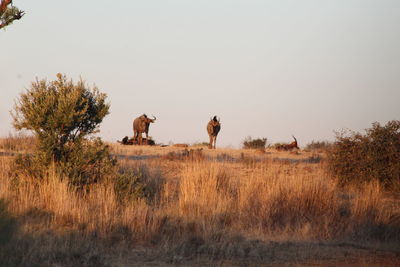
[
  {"x": 173, "y": 242},
  {"x": 136, "y": 157}
]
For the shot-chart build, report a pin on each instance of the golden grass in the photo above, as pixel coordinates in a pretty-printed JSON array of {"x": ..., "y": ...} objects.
[
  {"x": 17, "y": 143},
  {"x": 207, "y": 206}
]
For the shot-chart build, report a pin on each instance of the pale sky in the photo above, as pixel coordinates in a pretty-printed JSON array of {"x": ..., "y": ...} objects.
[{"x": 266, "y": 68}]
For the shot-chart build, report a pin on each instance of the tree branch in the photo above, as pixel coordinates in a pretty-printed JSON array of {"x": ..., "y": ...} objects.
[
  {"x": 9, "y": 14},
  {"x": 3, "y": 5}
]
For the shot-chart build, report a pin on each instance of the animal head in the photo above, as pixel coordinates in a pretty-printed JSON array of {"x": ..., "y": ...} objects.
[
  {"x": 146, "y": 119},
  {"x": 293, "y": 144},
  {"x": 215, "y": 121},
  {"x": 214, "y": 126}
]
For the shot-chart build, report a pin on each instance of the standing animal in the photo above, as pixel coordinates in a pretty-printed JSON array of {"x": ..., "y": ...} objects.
[
  {"x": 213, "y": 128},
  {"x": 141, "y": 125},
  {"x": 286, "y": 147}
]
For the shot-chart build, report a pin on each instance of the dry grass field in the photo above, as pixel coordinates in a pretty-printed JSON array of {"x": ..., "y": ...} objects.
[{"x": 201, "y": 207}]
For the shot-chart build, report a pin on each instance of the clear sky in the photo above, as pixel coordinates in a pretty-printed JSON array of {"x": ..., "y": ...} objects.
[{"x": 266, "y": 68}]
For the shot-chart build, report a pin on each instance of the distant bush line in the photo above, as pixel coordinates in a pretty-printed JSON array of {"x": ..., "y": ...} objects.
[{"x": 258, "y": 143}]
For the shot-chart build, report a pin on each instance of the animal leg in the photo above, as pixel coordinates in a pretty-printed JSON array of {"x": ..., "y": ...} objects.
[{"x": 140, "y": 139}]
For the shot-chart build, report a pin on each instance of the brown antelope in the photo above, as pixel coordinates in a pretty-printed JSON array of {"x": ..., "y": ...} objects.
[{"x": 286, "y": 147}]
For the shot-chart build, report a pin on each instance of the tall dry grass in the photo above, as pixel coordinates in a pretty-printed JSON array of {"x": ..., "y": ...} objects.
[
  {"x": 196, "y": 203},
  {"x": 212, "y": 197},
  {"x": 17, "y": 143}
]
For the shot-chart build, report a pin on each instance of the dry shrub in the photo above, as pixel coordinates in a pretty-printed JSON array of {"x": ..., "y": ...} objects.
[
  {"x": 134, "y": 183},
  {"x": 250, "y": 143},
  {"x": 320, "y": 146}
]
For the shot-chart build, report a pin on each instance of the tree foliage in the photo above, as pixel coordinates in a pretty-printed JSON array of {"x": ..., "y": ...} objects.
[
  {"x": 62, "y": 115},
  {"x": 355, "y": 157},
  {"x": 9, "y": 13},
  {"x": 60, "y": 112}
]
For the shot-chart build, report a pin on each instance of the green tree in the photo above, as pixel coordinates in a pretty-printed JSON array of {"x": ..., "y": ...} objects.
[
  {"x": 62, "y": 115},
  {"x": 9, "y": 13}
]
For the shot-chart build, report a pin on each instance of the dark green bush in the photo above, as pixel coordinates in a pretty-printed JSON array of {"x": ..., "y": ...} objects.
[
  {"x": 373, "y": 156},
  {"x": 87, "y": 163},
  {"x": 31, "y": 165},
  {"x": 133, "y": 183},
  {"x": 130, "y": 185},
  {"x": 258, "y": 143}
]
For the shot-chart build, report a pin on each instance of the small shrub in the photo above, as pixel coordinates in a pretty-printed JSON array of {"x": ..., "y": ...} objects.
[
  {"x": 318, "y": 145},
  {"x": 138, "y": 183},
  {"x": 129, "y": 185},
  {"x": 277, "y": 145},
  {"x": 258, "y": 143},
  {"x": 374, "y": 156},
  {"x": 201, "y": 144},
  {"x": 88, "y": 163},
  {"x": 30, "y": 165}
]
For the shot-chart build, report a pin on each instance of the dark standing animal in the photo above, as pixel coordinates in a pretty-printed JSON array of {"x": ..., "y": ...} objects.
[
  {"x": 213, "y": 128},
  {"x": 291, "y": 146},
  {"x": 141, "y": 125}
]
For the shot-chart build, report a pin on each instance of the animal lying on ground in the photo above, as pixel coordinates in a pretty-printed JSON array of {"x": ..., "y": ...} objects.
[
  {"x": 131, "y": 141},
  {"x": 287, "y": 147}
]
